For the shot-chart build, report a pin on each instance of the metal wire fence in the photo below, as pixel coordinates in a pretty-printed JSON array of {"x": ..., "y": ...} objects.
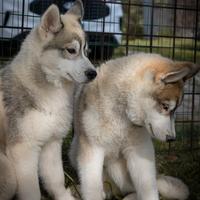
[{"x": 121, "y": 27}]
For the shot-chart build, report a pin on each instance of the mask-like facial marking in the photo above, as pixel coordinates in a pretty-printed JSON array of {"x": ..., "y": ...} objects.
[
  {"x": 160, "y": 120},
  {"x": 74, "y": 62},
  {"x": 63, "y": 56}
]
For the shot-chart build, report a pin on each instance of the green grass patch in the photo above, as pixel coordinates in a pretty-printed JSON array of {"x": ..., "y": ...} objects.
[
  {"x": 184, "y": 165},
  {"x": 184, "y": 49}
]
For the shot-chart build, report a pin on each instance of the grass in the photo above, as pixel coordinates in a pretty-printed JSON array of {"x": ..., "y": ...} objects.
[
  {"x": 184, "y": 165},
  {"x": 184, "y": 48}
]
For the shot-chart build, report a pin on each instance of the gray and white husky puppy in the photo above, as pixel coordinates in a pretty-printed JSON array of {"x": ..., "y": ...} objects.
[
  {"x": 36, "y": 104},
  {"x": 133, "y": 99}
]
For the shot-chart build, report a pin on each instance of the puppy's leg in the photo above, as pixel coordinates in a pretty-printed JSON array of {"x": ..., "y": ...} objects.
[
  {"x": 118, "y": 172},
  {"x": 25, "y": 160},
  {"x": 8, "y": 183},
  {"x": 141, "y": 166},
  {"x": 51, "y": 171},
  {"x": 90, "y": 168}
]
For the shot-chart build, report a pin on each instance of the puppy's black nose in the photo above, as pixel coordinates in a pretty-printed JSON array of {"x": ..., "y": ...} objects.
[
  {"x": 170, "y": 138},
  {"x": 91, "y": 74}
]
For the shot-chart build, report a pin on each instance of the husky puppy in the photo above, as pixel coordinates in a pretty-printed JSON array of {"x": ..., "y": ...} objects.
[
  {"x": 133, "y": 99},
  {"x": 36, "y": 103}
]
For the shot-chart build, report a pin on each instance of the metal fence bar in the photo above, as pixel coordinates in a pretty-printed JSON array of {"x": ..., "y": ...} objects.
[
  {"x": 162, "y": 5},
  {"x": 193, "y": 81},
  {"x": 103, "y": 36},
  {"x": 23, "y": 8},
  {"x": 128, "y": 27},
  {"x": 174, "y": 29},
  {"x": 152, "y": 26}
]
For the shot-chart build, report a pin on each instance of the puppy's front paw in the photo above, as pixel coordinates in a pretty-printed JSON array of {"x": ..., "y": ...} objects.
[
  {"x": 132, "y": 196},
  {"x": 66, "y": 196}
]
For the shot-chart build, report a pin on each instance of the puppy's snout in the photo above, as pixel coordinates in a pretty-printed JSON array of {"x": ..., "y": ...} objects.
[
  {"x": 90, "y": 74},
  {"x": 170, "y": 138}
]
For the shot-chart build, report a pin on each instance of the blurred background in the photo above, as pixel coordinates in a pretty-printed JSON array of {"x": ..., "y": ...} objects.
[{"x": 116, "y": 28}]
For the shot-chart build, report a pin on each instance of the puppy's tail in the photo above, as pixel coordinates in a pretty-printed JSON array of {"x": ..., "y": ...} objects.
[{"x": 172, "y": 188}]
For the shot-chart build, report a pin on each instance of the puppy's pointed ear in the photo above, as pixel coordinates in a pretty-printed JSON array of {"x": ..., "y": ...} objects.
[
  {"x": 50, "y": 21},
  {"x": 183, "y": 71},
  {"x": 77, "y": 10}
]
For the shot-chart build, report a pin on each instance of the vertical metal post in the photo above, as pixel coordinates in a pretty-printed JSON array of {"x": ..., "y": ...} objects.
[
  {"x": 174, "y": 29},
  {"x": 23, "y": 10},
  {"x": 152, "y": 24},
  {"x": 103, "y": 36},
  {"x": 147, "y": 20},
  {"x": 193, "y": 81},
  {"x": 128, "y": 26},
  {"x": 174, "y": 44}
]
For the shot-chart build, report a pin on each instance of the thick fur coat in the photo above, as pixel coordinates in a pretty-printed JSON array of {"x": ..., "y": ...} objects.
[
  {"x": 133, "y": 99},
  {"x": 36, "y": 105}
]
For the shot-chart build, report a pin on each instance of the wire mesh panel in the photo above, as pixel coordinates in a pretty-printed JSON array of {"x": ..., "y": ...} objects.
[{"x": 117, "y": 28}]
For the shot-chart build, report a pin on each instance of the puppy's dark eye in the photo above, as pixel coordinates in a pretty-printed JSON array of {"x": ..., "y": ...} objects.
[{"x": 71, "y": 50}]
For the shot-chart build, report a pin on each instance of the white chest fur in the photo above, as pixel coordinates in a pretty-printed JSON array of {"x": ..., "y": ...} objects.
[{"x": 52, "y": 119}]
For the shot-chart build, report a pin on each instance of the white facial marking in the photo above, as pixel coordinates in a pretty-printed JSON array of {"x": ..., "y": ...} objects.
[
  {"x": 171, "y": 104},
  {"x": 161, "y": 124},
  {"x": 75, "y": 67},
  {"x": 67, "y": 63}
]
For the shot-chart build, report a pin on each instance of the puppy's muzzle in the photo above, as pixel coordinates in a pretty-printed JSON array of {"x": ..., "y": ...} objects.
[
  {"x": 170, "y": 138},
  {"x": 90, "y": 74}
]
